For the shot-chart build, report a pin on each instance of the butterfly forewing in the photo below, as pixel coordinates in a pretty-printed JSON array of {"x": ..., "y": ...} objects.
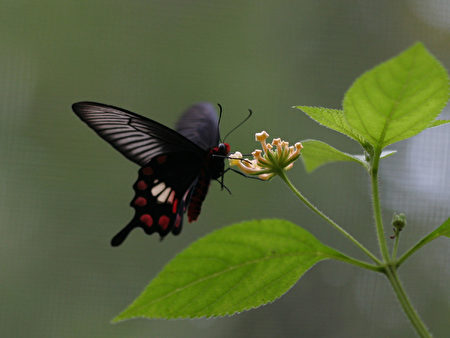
[
  {"x": 136, "y": 137},
  {"x": 200, "y": 125}
]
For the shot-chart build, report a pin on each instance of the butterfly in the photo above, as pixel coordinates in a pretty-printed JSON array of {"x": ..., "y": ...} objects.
[{"x": 176, "y": 165}]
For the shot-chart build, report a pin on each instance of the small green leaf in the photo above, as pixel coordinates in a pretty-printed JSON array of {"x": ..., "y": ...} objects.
[
  {"x": 384, "y": 154},
  {"x": 233, "y": 269},
  {"x": 333, "y": 119},
  {"x": 437, "y": 123},
  {"x": 317, "y": 153},
  {"x": 397, "y": 99},
  {"x": 387, "y": 153}
]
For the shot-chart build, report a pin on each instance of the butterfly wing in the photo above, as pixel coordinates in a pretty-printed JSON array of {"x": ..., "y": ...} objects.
[
  {"x": 138, "y": 138},
  {"x": 171, "y": 160},
  {"x": 200, "y": 125},
  {"x": 162, "y": 194},
  {"x": 165, "y": 186}
]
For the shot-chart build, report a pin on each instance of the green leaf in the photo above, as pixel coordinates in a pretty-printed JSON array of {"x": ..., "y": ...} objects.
[
  {"x": 233, "y": 269},
  {"x": 333, "y": 119},
  {"x": 317, "y": 153},
  {"x": 397, "y": 99}
]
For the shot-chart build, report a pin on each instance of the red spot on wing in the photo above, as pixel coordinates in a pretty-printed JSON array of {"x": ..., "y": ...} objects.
[
  {"x": 175, "y": 206},
  {"x": 146, "y": 219},
  {"x": 161, "y": 159},
  {"x": 227, "y": 146},
  {"x": 164, "y": 222},
  {"x": 147, "y": 171},
  {"x": 141, "y": 185},
  {"x": 171, "y": 196},
  {"x": 140, "y": 202}
]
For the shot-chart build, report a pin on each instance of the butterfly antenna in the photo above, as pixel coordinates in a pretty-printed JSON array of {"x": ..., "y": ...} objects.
[
  {"x": 250, "y": 113},
  {"x": 220, "y": 115},
  {"x": 233, "y": 158}
]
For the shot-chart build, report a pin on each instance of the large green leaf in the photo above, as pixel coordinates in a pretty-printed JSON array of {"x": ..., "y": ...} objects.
[
  {"x": 233, "y": 269},
  {"x": 397, "y": 99},
  {"x": 333, "y": 119}
]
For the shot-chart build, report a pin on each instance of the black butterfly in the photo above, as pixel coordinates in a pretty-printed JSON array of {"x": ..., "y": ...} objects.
[{"x": 176, "y": 166}]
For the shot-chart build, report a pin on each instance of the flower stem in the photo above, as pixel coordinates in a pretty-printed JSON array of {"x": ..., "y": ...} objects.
[
  {"x": 284, "y": 177},
  {"x": 394, "y": 250}
]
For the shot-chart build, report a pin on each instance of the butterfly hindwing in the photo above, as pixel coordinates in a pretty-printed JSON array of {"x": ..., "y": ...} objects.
[{"x": 162, "y": 194}]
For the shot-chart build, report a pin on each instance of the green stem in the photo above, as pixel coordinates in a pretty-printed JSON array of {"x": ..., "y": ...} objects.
[
  {"x": 413, "y": 316},
  {"x": 391, "y": 268},
  {"x": 344, "y": 258},
  {"x": 377, "y": 208},
  {"x": 283, "y": 176},
  {"x": 427, "y": 239}
]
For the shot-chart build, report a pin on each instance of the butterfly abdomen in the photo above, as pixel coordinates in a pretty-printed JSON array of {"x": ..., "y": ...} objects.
[
  {"x": 212, "y": 168},
  {"x": 198, "y": 195}
]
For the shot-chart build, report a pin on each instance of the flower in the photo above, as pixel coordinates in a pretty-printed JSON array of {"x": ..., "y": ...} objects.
[{"x": 271, "y": 160}]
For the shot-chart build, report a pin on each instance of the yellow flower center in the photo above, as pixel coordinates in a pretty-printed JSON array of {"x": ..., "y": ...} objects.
[{"x": 266, "y": 163}]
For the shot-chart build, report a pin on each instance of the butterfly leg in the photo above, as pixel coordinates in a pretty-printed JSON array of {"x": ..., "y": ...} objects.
[{"x": 223, "y": 186}]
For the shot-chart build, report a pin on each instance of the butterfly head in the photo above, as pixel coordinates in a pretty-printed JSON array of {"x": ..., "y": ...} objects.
[
  {"x": 222, "y": 149},
  {"x": 217, "y": 157}
]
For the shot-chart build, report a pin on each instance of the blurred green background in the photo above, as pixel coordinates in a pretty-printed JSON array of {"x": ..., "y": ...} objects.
[{"x": 65, "y": 192}]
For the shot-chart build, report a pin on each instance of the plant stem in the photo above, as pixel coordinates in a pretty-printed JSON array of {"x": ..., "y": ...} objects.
[
  {"x": 413, "y": 316},
  {"x": 376, "y": 207},
  {"x": 391, "y": 267},
  {"x": 283, "y": 176},
  {"x": 417, "y": 246}
]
